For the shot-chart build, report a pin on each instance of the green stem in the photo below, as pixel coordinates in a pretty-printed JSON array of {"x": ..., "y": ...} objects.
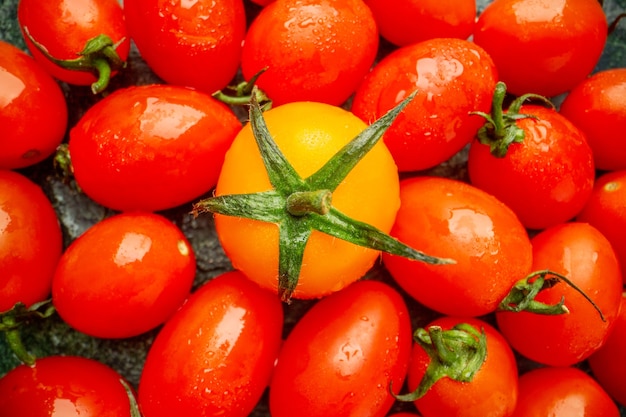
[
  {"x": 301, "y": 203},
  {"x": 14, "y": 340}
]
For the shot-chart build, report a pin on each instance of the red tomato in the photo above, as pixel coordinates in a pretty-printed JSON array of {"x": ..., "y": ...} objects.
[
  {"x": 584, "y": 255},
  {"x": 30, "y": 241},
  {"x": 215, "y": 356},
  {"x": 452, "y": 77},
  {"x": 63, "y": 28},
  {"x": 452, "y": 219},
  {"x": 68, "y": 386},
  {"x": 491, "y": 393},
  {"x": 544, "y": 48},
  {"x": 405, "y": 22},
  {"x": 547, "y": 178},
  {"x": 190, "y": 43},
  {"x": 124, "y": 276},
  {"x": 598, "y": 107},
  {"x": 151, "y": 147},
  {"x": 562, "y": 392},
  {"x": 313, "y": 51},
  {"x": 606, "y": 211},
  {"x": 343, "y": 354},
  {"x": 33, "y": 110}
]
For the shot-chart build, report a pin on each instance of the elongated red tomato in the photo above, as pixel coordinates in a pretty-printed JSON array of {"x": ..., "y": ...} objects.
[
  {"x": 151, "y": 147},
  {"x": 215, "y": 356}
]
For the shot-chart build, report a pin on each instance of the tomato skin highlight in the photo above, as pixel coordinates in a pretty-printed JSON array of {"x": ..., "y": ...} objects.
[
  {"x": 31, "y": 241},
  {"x": 151, "y": 147},
  {"x": 124, "y": 276},
  {"x": 216, "y": 354},
  {"x": 341, "y": 356},
  {"x": 33, "y": 110}
]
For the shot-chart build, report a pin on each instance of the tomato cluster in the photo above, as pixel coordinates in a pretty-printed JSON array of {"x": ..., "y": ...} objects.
[{"x": 312, "y": 208}]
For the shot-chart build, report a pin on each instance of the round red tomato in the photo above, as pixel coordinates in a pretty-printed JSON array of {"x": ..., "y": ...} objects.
[
  {"x": 452, "y": 219},
  {"x": 452, "y": 77},
  {"x": 598, "y": 107},
  {"x": 151, "y": 147},
  {"x": 124, "y": 276},
  {"x": 33, "y": 110},
  {"x": 215, "y": 356},
  {"x": 582, "y": 254},
  {"x": 343, "y": 354},
  {"x": 544, "y": 48},
  {"x": 313, "y": 51},
  {"x": 68, "y": 386},
  {"x": 30, "y": 241}
]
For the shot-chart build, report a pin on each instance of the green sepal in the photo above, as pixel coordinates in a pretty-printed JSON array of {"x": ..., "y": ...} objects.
[{"x": 241, "y": 94}]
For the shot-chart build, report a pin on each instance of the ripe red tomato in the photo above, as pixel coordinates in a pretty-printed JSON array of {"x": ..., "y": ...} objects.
[
  {"x": 151, "y": 147},
  {"x": 582, "y": 254},
  {"x": 452, "y": 219},
  {"x": 562, "y": 392},
  {"x": 313, "y": 51},
  {"x": 547, "y": 178},
  {"x": 30, "y": 241},
  {"x": 545, "y": 48},
  {"x": 33, "y": 110},
  {"x": 189, "y": 43},
  {"x": 452, "y": 77},
  {"x": 406, "y": 22},
  {"x": 68, "y": 386},
  {"x": 63, "y": 28},
  {"x": 124, "y": 276},
  {"x": 598, "y": 107},
  {"x": 343, "y": 354},
  {"x": 215, "y": 356}
]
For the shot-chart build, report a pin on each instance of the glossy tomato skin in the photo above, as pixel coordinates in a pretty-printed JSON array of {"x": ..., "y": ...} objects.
[
  {"x": 33, "y": 110},
  {"x": 406, "y": 22},
  {"x": 319, "y": 51},
  {"x": 533, "y": 46},
  {"x": 584, "y": 255},
  {"x": 124, "y": 276},
  {"x": 68, "y": 386},
  {"x": 562, "y": 391},
  {"x": 547, "y": 178},
  {"x": 50, "y": 22},
  {"x": 342, "y": 355},
  {"x": 215, "y": 356},
  {"x": 452, "y": 219},
  {"x": 606, "y": 211},
  {"x": 452, "y": 77},
  {"x": 308, "y": 134},
  {"x": 151, "y": 147},
  {"x": 492, "y": 392},
  {"x": 31, "y": 241},
  {"x": 598, "y": 107},
  {"x": 195, "y": 44}
]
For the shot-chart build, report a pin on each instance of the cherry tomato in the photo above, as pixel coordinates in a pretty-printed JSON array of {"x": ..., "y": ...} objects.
[
  {"x": 582, "y": 254},
  {"x": 606, "y": 211},
  {"x": 492, "y": 392},
  {"x": 598, "y": 107},
  {"x": 33, "y": 110},
  {"x": 124, "y": 276},
  {"x": 343, "y": 354},
  {"x": 215, "y": 356},
  {"x": 545, "y": 48},
  {"x": 151, "y": 147},
  {"x": 313, "y": 51},
  {"x": 406, "y": 22},
  {"x": 452, "y": 219},
  {"x": 30, "y": 241},
  {"x": 562, "y": 392},
  {"x": 195, "y": 44},
  {"x": 68, "y": 386},
  {"x": 452, "y": 77},
  {"x": 547, "y": 178}
]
